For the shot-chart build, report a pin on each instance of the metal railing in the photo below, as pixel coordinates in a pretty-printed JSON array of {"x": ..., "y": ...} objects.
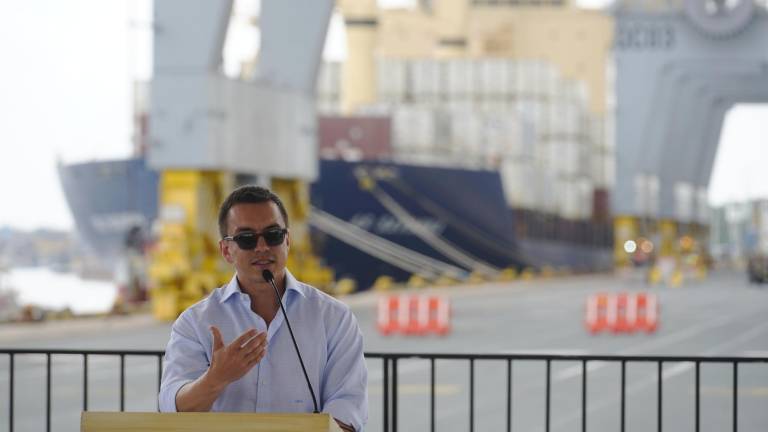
[
  {"x": 85, "y": 354},
  {"x": 389, "y": 364}
]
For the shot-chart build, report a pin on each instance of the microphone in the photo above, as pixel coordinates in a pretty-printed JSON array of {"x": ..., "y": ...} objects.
[{"x": 267, "y": 275}]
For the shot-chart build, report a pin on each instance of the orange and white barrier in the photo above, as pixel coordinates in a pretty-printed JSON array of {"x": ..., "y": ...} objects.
[
  {"x": 413, "y": 315},
  {"x": 622, "y": 313}
]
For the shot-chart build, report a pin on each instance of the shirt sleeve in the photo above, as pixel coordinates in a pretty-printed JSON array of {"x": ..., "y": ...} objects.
[
  {"x": 186, "y": 359},
  {"x": 345, "y": 379}
]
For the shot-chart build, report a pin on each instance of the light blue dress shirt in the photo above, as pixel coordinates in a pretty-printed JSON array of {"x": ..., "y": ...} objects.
[{"x": 326, "y": 331}]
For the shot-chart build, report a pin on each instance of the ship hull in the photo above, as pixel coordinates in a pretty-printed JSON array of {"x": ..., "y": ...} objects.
[{"x": 457, "y": 218}]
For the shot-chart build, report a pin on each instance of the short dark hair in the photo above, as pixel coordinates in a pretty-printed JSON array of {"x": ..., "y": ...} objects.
[{"x": 248, "y": 194}]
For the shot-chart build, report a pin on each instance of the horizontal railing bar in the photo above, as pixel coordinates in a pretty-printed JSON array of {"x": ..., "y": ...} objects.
[
  {"x": 568, "y": 357},
  {"x": 23, "y": 351},
  {"x": 440, "y": 356}
]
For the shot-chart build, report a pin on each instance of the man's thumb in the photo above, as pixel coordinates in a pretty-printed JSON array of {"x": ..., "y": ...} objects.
[{"x": 218, "y": 343}]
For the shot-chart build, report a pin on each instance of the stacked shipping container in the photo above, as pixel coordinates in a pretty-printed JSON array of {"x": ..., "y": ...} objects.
[{"x": 521, "y": 117}]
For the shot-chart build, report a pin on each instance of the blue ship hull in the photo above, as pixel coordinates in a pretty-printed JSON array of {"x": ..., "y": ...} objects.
[
  {"x": 461, "y": 216},
  {"x": 465, "y": 208},
  {"x": 108, "y": 199}
]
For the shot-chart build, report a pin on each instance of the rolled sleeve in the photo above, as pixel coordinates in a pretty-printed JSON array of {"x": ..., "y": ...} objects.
[
  {"x": 346, "y": 377},
  {"x": 185, "y": 361}
]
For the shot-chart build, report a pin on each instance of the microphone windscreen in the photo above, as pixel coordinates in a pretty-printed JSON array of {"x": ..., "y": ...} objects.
[{"x": 267, "y": 275}]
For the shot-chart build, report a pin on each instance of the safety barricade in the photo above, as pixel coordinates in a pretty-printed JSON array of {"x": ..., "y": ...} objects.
[
  {"x": 622, "y": 312},
  {"x": 413, "y": 315}
]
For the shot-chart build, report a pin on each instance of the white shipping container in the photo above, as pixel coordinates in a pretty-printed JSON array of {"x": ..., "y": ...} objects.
[
  {"x": 549, "y": 80},
  {"x": 586, "y": 158},
  {"x": 459, "y": 78},
  {"x": 541, "y": 75},
  {"x": 404, "y": 126},
  {"x": 586, "y": 192},
  {"x": 423, "y": 80},
  {"x": 490, "y": 105},
  {"x": 574, "y": 197},
  {"x": 514, "y": 80},
  {"x": 435, "y": 84},
  {"x": 391, "y": 79},
  {"x": 545, "y": 187},
  {"x": 382, "y": 82},
  {"x": 493, "y": 134},
  {"x": 567, "y": 198},
  {"x": 603, "y": 166},
  {"x": 424, "y": 129},
  {"x": 490, "y": 80},
  {"x": 565, "y": 156},
  {"x": 458, "y": 105},
  {"x": 505, "y": 134},
  {"x": 565, "y": 119},
  {"x": 582, "y": 93},
  {"x": 527, "y": 144},
  {"x": 523, "y": 80},
  {"x": 467, "y": 133},
  {"x": 597, "y": 131},
  {"x": 516, "y": 179}
]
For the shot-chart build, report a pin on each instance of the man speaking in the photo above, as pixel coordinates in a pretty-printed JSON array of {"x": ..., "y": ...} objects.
[{"x": 235, "y": 351}]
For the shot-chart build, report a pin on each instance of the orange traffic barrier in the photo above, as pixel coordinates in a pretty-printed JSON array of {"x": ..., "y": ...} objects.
[
  {"x": 622, "y": 313},
  {"x": 413, "y": 315}
]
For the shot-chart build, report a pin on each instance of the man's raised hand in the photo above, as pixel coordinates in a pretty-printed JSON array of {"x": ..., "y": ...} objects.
[{"x": 231, "y": 362}]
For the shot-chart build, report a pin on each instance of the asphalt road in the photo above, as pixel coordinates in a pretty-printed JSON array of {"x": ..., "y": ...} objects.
[{"x": 722, "y": 316}]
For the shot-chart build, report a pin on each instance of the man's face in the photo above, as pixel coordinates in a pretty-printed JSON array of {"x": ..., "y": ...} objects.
[{"x": 255, "y": 218}]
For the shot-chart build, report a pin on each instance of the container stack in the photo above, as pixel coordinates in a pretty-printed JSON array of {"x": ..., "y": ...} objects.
[{"x": 522, "y": 117}]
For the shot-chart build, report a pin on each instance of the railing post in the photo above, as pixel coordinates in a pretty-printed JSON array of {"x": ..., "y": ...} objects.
[
  {"x": 509, "y": 395},
  {"x": 659, "y": 395},
  {"x": 735, "y": 396},
  {"x": 623, "y": 394},
  {"x": 48, "y": 392},
  {"x": 432, "y": 394},
  {"x": 385, "y": 365},
  {"x": 122, "y": 382},
  {"x": 471, "y": 395},
  {"x": 548, "y": 395},
  {"x": 10, "y": 391},
  {"x": 698, "y": 399},
  {"x": 85, "y": 381},
  {"x": 583, "y": 396},
  {"x": 394, "y": 394}
]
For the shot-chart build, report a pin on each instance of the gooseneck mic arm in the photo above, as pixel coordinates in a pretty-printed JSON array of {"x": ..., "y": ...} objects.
[{"x": 267, "y": 275}]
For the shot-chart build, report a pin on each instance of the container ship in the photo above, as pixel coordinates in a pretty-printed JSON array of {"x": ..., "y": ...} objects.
[
  {"x": 490, "y": 153},
  {"x": 372, "y": 215}
]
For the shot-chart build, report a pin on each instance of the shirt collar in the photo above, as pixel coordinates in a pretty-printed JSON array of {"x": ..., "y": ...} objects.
[{"x": 291, "y": 284}]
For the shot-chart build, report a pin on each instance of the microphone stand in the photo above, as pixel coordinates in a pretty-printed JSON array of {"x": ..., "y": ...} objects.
[{"x": 271, "y": 279}]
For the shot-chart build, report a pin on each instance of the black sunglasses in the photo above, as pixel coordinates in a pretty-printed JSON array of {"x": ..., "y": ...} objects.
[{"x": 248, "y": 240}]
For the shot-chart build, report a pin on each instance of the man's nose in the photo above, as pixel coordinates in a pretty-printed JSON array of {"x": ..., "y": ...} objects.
[{"x": 261, "y": 243}]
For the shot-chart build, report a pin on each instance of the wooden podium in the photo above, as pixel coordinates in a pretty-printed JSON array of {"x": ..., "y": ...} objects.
[{"x": 92, "y": 421}]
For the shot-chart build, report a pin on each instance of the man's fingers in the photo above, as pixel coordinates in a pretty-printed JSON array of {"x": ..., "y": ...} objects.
[
  {"x": 243, "y": 338},
  {"x": 255, "y": 356},
  {"x": 218, "y": 342},
  {"x": 254, "y": 342}
]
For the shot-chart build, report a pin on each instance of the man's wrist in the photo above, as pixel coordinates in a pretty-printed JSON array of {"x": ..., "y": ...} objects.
[{"x": 211, "y": 384}]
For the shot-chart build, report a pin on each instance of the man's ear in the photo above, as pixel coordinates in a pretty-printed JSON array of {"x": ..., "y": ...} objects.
[{"x": 225, "y": 251}]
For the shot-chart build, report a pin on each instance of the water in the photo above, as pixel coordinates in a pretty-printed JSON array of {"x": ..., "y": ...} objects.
[{"x": 56, "y": 291}]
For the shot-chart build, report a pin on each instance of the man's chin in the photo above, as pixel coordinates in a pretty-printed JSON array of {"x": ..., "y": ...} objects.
[{"x": 256, "y": 272}]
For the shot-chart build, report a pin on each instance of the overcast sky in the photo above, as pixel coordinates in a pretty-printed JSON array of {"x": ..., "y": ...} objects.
[{"x": 65, "y": 93}]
